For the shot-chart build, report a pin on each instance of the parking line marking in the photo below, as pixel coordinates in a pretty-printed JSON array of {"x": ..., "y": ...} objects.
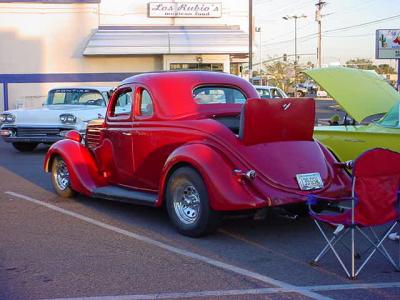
[
  {"x": 288, "y": 288},
  {"x": 259, "y": 291}
]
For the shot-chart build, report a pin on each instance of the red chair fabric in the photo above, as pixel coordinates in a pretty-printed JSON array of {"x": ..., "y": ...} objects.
[
  {"x": 376, "y": 176},
  {"x": 374, "y": 202}
]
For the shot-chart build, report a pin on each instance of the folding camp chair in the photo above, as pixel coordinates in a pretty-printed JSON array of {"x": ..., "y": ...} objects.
[{"x": 374, "y": 202}]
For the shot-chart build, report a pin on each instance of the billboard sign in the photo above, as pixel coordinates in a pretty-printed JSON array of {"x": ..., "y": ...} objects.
[
  {"x": 185, "y": 10},
  {"x": 388, "y": 44}
]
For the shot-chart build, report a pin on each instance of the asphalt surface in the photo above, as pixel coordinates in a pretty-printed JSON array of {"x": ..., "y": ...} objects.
[{"x": 56, "y": 248}]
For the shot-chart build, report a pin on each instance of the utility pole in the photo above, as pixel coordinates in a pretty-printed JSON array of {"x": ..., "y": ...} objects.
[
  {"x": 258, "y": 29},
  {"x": 318, "y": 18},
  {"x": 295, "y": 17},
  {"x": 250, "y": 39}
]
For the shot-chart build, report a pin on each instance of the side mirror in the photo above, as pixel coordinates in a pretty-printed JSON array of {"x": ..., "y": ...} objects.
[{"x": 74, "y": 135}]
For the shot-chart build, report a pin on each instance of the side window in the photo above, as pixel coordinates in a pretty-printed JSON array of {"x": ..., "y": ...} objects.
[
  {"x": 123, "y": 105},
  {"x": 146, "y": 104}
]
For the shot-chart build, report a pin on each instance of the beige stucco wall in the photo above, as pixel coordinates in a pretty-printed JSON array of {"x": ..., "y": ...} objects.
[{"x": 50, "y": 38}]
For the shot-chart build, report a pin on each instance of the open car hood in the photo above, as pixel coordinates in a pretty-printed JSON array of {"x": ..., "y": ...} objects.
[{"x": 360, "y": 93}]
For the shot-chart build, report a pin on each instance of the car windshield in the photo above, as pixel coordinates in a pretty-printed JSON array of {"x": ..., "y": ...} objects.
[
  {"x": 75, "y": 97},
  {"x": 264, "y": 93},
  {"x": 391, "y": 119},
  {"x": 218, "y": 95}
]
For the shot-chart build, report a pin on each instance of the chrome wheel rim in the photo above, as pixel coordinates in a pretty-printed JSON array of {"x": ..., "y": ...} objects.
[
  {"x": 61, "y": 175},
  {"x": 186, "y": 202}
]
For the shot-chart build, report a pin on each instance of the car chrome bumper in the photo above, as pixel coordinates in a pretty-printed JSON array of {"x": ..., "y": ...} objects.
[{"x": 27, "y": 134}]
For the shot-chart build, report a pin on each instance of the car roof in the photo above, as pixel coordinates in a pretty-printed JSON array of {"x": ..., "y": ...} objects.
[
  {"x": 265, "y": 87},
  {"x": 173, "y": 91}
]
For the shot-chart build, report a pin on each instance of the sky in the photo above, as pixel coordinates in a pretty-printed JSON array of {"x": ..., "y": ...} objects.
[{"x": 338, "y": 46}]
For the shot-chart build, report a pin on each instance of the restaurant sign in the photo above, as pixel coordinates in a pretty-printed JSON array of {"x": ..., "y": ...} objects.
[
  {"x": 184, "y": 10},
  {"x": 388, "y": 43}
]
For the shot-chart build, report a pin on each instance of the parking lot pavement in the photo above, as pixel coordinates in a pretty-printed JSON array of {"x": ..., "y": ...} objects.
[{"x": 57, "y": 248}]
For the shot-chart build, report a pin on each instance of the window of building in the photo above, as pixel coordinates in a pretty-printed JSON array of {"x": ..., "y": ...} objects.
[{"x": 197, "y": 66}]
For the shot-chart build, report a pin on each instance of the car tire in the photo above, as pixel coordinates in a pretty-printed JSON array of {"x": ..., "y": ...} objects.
[
  {"x": 25, "y": 147},
  {"x": 188, "y": 203},
  {"x": 60, "y": 178}
]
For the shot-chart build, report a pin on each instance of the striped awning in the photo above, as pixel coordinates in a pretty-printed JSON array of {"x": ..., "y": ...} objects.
[{"x": 139, "y": 40}]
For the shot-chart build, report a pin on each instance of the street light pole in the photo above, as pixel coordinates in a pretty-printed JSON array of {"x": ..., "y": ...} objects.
[
  {"x": 258, "y": 29},
  {"x": 295, "y": 17}
]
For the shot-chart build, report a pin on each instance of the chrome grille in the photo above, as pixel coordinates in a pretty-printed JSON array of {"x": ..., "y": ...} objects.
[
  {"x": 30, "y": 131},
  {"x": 93, "y": 134}
]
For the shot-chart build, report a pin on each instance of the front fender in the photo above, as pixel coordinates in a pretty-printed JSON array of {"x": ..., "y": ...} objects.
[
  {"x": 84, "y": 173},
  {"x": 225, "y": 191}
]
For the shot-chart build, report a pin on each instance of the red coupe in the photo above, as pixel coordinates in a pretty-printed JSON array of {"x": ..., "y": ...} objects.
[{"x": 200, "y": 143}]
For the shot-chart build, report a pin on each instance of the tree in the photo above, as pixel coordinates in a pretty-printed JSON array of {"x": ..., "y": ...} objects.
[
  {"x": 367, "y": 64},
  {"x": 361, "y": 63}
]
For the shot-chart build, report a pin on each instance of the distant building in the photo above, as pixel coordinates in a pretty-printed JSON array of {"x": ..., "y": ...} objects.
[{"x": 99, "y": 42}]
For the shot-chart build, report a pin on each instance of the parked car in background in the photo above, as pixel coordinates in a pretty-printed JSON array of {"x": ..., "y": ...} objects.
[
  {"x": 203, "y": 144},
  {"x": 306, "y": 88},
  {"x": 371, "y": 103},
  {"x": 65, "y": 109},
  {"x": 269, "y": 92}
]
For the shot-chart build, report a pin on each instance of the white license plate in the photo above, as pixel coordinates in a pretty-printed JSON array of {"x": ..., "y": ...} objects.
[{"x": 309, "y": 181}]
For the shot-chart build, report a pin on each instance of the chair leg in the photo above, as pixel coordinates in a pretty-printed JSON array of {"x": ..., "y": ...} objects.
[
  {"x": 333, "y": 249},
  {"x": 377, "y": 247}
]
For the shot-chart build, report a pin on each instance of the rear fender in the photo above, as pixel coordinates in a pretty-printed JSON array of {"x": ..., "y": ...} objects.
[
  {"x": 225, "y": 191},
  {"x": 84, "y": 173}
]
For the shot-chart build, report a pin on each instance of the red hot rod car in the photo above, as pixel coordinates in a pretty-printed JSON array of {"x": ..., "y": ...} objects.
[{"x": 201, "y": 143}]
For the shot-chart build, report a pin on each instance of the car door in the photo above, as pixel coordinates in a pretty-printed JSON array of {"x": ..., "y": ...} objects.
[
  {"x": 150, "y": 141},
  {"x": 118, "y": 136}
]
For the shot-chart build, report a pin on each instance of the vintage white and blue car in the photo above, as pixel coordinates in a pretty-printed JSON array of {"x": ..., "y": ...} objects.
[{"x": 65, "y": 109}]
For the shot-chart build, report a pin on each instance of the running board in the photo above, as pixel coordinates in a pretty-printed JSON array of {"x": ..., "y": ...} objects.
[{"x": 112, "y": 192}]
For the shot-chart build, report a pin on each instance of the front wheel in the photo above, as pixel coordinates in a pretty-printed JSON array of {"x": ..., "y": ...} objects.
[
  {"x": 25, "y": 147},
  {"x": 60, "y": 178},
  {"x": 187, "y": 203}
]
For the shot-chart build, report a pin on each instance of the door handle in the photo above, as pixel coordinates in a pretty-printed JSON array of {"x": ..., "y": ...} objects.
[{"x": 127, "y": 133}]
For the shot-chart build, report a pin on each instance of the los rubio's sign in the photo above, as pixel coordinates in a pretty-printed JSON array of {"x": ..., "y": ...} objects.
[{"x": 184, "y": 10}]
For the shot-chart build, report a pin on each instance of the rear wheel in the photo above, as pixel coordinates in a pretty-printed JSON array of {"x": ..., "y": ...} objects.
[
  {"x": 60, "y": 178},
  {"x": 187, "y": 203},
  {"x": 25, "y": 147}
]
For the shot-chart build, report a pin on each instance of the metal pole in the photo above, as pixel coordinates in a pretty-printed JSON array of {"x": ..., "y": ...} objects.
[
  {"x": 398, "y": 75},
  {"x": 318, "y": 18},
  {"x": 260, "y": 56},
  {"x": 295, "y": 49},
  {"x": 319, "y": 54},
  {"x": 250, "y": 39},
  {"x": 295, "y": 40}
]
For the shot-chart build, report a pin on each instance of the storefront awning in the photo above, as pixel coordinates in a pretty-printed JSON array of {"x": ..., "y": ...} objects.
[{"x": 139, "y": 40}]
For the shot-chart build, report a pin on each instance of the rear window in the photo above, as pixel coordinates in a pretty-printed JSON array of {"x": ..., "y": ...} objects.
[{"x": 218, "y": 95}]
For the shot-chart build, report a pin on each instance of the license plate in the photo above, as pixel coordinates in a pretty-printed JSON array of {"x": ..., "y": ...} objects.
[{"x": 309, "y": 181}]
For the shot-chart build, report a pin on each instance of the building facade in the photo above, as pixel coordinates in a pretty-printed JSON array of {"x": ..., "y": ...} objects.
[{"x": 51, "y": 43}]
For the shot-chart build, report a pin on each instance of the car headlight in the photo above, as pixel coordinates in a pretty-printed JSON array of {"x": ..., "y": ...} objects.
[
  {"x": 7, "y": 118},
  {"x": 67, "y": 119}
]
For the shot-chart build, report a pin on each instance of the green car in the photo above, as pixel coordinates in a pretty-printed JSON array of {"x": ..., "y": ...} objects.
[{"x": 363, "y": 95}]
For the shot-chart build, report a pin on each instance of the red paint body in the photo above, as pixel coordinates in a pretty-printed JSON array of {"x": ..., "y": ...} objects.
[{"x": 139, "y": 152}]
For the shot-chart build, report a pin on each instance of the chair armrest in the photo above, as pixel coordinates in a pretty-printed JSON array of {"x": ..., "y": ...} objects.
[{"x": 327, "y": 203}]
